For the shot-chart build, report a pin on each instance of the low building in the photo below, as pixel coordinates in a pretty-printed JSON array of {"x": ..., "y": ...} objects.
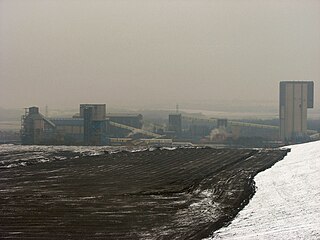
[{"x": 69, "y": 130}]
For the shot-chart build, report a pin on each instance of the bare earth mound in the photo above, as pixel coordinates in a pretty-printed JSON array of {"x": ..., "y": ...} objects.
[{"x": 160, "y": 194}]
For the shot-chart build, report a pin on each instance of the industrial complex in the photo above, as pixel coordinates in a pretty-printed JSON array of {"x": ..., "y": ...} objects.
[{"x": 92, "y": 125}]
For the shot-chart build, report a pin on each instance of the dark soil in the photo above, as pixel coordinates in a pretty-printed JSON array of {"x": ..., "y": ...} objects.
[{"x": 160, "y": 194}]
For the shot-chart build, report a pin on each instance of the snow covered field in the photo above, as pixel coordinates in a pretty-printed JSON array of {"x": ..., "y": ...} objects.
[{"x": 287, "y": 202}]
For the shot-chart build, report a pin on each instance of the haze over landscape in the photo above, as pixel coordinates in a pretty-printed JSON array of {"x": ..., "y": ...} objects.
[
  {"x": 151, "y": 53},
  {"x": 159, "y": 119}
]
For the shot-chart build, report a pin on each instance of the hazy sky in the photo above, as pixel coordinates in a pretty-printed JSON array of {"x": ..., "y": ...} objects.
[{"x": 155, "y": 52}]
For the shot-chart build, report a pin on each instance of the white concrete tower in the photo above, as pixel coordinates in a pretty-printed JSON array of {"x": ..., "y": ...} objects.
[{"x": 295, "y": 98}]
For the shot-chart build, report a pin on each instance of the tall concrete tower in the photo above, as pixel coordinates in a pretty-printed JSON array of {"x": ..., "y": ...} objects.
[
  {"x": 295, "y": 98},
  {"x": 175, "y": 123}
]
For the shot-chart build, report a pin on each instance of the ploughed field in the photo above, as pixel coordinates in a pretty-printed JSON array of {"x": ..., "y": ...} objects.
[{"x": 185, "y": 193}]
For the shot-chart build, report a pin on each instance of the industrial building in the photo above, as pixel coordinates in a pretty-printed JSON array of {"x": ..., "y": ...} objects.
[
  {"x": 175, "y": 124},
  {"x": 35, "y": 128},
  {"x": 65, "y": 131},
  {"x": 92, "y": 126},
  {"x": 295, "y": 98},
  {"x": 88, "y": 129}
]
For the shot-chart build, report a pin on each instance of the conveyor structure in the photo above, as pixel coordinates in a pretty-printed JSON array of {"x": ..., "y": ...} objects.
[
  {"x": 241, "y": 124},
  {"x": 135, "y": 130}
]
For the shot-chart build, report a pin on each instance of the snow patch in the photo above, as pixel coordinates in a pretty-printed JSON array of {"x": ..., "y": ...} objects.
[{"x": 287, "y": 202}]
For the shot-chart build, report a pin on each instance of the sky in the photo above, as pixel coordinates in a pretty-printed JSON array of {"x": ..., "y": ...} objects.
[{"x": 155, "y": 53}]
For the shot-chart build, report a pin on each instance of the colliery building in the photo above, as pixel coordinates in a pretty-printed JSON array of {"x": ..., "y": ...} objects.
[
  {"x": 92, "y": 126},
  {"x": 295, "y": 98},
  {"x": 175, "y": 124}
]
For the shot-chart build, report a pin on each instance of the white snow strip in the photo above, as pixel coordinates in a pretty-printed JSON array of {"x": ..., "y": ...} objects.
[{"x": 287, "y": 202}]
